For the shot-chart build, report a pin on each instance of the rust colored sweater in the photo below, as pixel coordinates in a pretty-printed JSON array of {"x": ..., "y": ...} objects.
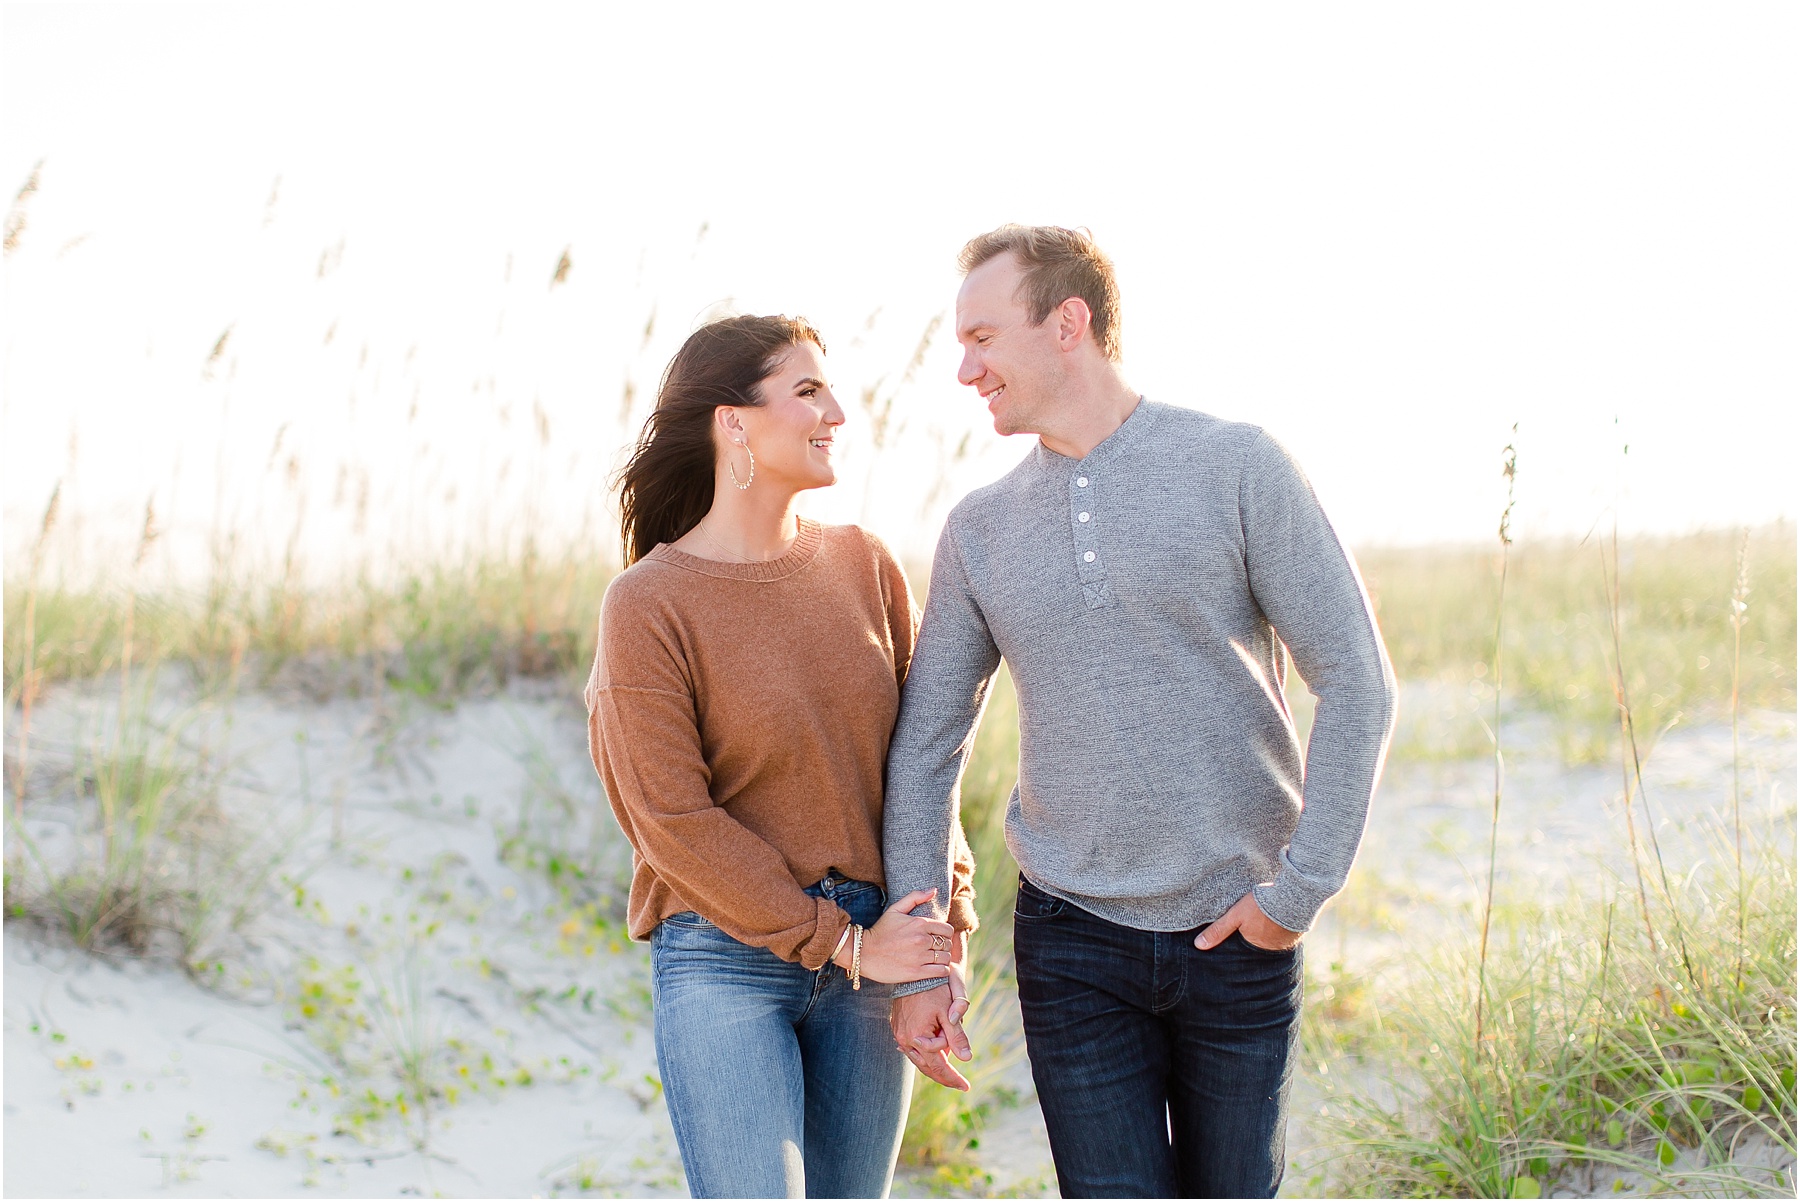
[{"x": 739, "y": 714}]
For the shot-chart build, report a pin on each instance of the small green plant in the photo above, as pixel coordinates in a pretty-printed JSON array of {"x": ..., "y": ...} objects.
[
  {"x": 379, "y": 1054},
  {"x": 137, "y": 800},
  {"x": 376, "y": 1064},
  {"x": 153, "y": 861},
  {"x": 183, "y": 1162},
  {"x": 569, "y": 838}
]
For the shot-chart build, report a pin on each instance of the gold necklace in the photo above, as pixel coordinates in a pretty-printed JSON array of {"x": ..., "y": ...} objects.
[
  {"x": 707, "y": 537},
  {"x": 715, "y": 545}
]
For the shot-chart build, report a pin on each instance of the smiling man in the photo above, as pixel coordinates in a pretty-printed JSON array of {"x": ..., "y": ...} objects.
[{"x": 1140, "y": 573}]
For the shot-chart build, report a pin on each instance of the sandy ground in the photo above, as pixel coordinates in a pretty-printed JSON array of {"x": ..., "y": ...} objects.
[
  {"x": 123, "y": 1078},
  {"x": 419, "y": 924}
]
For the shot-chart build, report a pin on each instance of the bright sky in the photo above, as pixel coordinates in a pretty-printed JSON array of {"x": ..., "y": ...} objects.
[{"x": 1385, "y": 232}]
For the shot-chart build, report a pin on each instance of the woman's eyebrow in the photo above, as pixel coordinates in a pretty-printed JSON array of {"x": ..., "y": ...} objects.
[{"x": 810, "y": 382}]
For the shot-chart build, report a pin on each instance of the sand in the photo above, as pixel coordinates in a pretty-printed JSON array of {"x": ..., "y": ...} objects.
[
  {"x": 416, "y": 922},
  {"x": 125, "y": 1077}
]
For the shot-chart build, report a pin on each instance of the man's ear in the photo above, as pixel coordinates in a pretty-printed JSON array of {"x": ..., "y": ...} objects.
[{"x": 1074, "y": 320}]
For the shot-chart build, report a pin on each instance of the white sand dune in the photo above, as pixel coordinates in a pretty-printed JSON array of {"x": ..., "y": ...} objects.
[
  {"x": 417, "y": 922},
  {"x": 125, "y": 1077}
]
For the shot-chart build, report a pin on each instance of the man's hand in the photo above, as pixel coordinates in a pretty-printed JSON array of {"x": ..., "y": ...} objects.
[
  {"x": 1248, "y": 920},
  {"x": 928, "y": 1028}
]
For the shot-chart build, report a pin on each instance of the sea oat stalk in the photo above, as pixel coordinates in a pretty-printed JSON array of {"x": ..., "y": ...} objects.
[
  {"x": 1623, "y": 710},
  {"x": 28, "y": 668},
  {"x": 145, "y": 539},
  {"x": 1740, "y": 604},
  {"x": 1632, "y": 762},
  {"x": 1509, "y": 468}
]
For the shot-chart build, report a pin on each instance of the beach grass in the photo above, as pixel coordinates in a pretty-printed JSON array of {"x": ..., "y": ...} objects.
[
  {"x": 1603, "y": 1050},
  {"x": 441, "y": 632},
  {"x": 469, "y": 624},
  {"x": 1438, "y": 608},
  {"x": 143, "y": 858},
  {"x": 1607, "y": 1064},
  {"x": 1635, "y": 1038}
]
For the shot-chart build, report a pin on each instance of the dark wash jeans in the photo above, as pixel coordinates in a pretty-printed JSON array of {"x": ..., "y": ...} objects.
[{"x": 1162, "y": 1070}]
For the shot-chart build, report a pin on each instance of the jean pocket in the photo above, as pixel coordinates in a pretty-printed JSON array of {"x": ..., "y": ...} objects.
[
  {"x": 1033, "y": 903},
  {"x": 864, "y": 905},
  {"x": 687, "y": 918},
  {"x": 688, "y": 934},
  {"x": 1260, "y": 950}
]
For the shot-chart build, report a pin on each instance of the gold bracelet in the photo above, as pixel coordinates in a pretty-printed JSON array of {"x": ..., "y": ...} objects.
[
  {"x": 856, "y": 961},
  {"x": 832, "y": 958}
]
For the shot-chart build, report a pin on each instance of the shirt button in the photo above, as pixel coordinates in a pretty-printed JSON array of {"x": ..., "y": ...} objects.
[
  {"x": 1088, "y": 558},
  {"x": 1081, "y": 481},
  {"x": 1084, "y": 517}
]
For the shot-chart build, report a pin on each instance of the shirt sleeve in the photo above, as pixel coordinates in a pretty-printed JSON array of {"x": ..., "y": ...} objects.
[
  {"x": 645, "y": 740},
  {"x": 1307, "y": 586},
  {"x": 946, "y": 691},
  {"x": 903, "y": 626}
]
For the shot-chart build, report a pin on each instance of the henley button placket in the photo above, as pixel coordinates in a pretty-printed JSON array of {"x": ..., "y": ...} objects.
[{"x": 1095, "y": 589}]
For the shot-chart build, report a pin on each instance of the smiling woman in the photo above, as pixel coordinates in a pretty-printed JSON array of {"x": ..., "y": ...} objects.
[
  {"x": 721, "y": 376},
  {"x": 742, "y": 698}
]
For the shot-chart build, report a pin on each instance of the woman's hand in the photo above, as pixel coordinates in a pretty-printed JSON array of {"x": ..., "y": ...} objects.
[{"x": 901, "y": 947}]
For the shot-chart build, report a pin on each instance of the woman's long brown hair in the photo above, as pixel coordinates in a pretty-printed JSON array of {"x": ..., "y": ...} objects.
[{"x": 667, "y": 486}]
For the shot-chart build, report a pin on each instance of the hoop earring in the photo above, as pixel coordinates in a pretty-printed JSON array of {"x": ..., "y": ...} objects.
[{"x": 742, "y": 485}]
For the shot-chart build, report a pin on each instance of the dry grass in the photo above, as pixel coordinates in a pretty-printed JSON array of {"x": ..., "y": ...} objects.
[{"x": 1437, "y": 608}]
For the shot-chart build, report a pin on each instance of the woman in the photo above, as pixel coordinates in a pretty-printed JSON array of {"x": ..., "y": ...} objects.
[{"x": 739, "y": 711}]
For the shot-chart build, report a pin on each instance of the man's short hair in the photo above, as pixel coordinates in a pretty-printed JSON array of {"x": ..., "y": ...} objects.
[{"x": 1058, "y": 263}]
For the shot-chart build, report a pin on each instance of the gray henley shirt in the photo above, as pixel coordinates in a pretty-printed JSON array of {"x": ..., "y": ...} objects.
[{"x": 1141, "y": 598}]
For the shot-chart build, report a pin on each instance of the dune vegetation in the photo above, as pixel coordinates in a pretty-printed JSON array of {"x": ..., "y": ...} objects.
[{"x": 1643, "y": 1027}]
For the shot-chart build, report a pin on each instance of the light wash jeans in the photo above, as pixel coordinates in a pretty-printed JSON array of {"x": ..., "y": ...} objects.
[{"x": 782, "y": 1083}]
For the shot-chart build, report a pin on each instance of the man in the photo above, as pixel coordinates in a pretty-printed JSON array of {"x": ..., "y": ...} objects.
[{"x": 1140, "y": 572}]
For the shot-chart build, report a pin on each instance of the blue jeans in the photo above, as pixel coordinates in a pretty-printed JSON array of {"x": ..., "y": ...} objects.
[
  {"x": 781, "y": 1083},
  {"x": 1162, "y": 1070}
]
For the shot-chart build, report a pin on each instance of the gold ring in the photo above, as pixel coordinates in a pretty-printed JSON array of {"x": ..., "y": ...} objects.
[{"x": 939, "y": 942}]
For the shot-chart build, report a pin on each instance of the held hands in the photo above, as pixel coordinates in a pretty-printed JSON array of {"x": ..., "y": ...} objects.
[
  {"x": 900, "y": 947},
  {"x": 928, "y": 1028},
  {"x": 1247, "y": 919}
]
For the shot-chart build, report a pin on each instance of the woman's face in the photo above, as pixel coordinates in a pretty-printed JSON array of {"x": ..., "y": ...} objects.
[{"x": 791, "y": 431}]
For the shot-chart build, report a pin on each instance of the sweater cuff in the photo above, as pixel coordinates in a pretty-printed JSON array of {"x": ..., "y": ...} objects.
[
  {"x": 912, "y": 987},
  {"x": 1292, "y": 900},
  {"x": 829, "y": 925},
  {"x": 961, "y": 913}
]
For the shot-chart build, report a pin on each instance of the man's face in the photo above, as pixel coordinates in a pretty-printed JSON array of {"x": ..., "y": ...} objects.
[{"x": 1010, "y": 362}]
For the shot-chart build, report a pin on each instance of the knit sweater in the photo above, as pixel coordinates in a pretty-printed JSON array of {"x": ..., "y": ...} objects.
[
  {"x": 1141, "y": 597},
  {"x": 739, "y": 715}
]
